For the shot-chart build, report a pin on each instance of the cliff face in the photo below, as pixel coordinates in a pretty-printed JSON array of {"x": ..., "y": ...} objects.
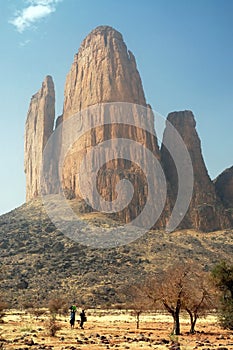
[
  {"x": 206, "y": 212},
  {"x": 224, "y": 189},
  {"x": 38, "y": 128},
  {"x": 105, "y": 71}
]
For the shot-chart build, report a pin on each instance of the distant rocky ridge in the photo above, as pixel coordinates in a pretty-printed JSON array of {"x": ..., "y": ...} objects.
[{"x": 105, "y": 71}]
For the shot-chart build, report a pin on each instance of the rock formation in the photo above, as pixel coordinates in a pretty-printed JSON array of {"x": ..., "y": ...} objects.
[
  {"x": 224, "y": 189},
  {"x": 105, "y": 71},
  {"x": 38, "y": 128},
  {"x": 206, "y": 212}
]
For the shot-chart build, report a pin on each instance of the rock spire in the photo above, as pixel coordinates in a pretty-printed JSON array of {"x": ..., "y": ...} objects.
[
  {"x": 206, "y": 211},
  {"x": 104, "y": 70},
  {"x": 38, "y": 128}
]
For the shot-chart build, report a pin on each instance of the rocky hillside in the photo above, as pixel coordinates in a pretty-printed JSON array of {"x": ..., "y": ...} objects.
[{"x": 39, "y": 262}]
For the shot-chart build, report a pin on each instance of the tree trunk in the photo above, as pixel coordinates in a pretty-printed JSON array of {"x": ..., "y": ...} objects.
[
  {"x": 192, "y": 329},
  {"x": 137, "y": 315},
  {"x": 176, "y": 316},
  {"x": 193, "y": 319},
  {"x": 176, "y": 325}
]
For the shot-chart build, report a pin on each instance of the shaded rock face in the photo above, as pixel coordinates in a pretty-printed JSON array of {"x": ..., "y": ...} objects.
[
  {"x": 38, "y": 128},
  {"x": 224, "y": 189},
  {"x": 206, "y": 212}
]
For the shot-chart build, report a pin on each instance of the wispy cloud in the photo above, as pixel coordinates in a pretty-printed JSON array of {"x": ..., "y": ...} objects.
[
  {"x": 32, "y": 13},
  {"x": 24, "y": 43}
]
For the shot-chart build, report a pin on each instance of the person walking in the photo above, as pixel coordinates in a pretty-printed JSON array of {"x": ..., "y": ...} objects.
[
  {"x": 73, "y": 309},
  {"x": 83, "y": 319}
]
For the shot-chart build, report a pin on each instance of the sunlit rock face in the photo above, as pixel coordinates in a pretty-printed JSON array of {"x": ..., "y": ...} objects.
[
  {"x": 105, "y": 71},
  {"x": 103, "y": 83},
  {"x": 38, "y": 129}
]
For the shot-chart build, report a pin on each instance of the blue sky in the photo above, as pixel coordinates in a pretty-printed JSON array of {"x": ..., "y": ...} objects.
[{"x": 184, "y": 53}]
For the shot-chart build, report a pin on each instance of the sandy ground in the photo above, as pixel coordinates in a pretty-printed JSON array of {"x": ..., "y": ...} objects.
[{"x": 110, "y": 330}]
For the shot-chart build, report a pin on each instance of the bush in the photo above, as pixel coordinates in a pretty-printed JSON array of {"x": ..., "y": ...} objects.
[
  {"x": 57, "y": 306},
  {"x": 3, "y": 307},
  {"x": 53, "y": 327},
  {"x": 38, "y": 312},
  {"x": 223, "y": 279},
  {"x": 226, "y": 314}
]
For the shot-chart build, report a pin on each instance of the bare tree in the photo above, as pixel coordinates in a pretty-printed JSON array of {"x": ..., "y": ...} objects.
[
  {"x": 152, "y": 290},
  {"x": 172, "y": 291},
  {"x": 136, "y": 300},
  {"x": 186, "y": 286},
  {"x": 199, "y": 296},
  {"x": 183, "y": 286}
]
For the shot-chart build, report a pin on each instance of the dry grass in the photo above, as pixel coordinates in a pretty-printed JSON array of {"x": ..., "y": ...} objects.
[{"x": 110, "y": 330}]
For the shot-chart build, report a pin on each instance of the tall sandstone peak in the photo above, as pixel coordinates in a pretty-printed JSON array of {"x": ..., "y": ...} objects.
[
  {"x": 104, "y": 70},
  {"x": 38, "y": 128},
  {"x": 206, "y": 212}
]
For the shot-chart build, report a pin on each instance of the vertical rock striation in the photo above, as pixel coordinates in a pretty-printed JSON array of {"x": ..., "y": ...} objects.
[
  {"x": 38, "y": 128},
  {"x": 105, "y": 71}
]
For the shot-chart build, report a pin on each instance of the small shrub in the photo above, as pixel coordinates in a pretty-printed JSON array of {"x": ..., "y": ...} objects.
[
  {"x": 3, "y": 307},
  {"x": 57, "y": 306},
  {"x": 26, "y": 305},
  {"x": 53, "y": 327},
  {"x": 38, "y": 312}
]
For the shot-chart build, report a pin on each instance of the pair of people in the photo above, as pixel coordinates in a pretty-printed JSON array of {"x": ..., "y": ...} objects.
[{"x": 82, "y": 315}]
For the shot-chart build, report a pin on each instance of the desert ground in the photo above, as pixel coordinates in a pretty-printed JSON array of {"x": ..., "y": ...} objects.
[{"x": 110, "y": 329}]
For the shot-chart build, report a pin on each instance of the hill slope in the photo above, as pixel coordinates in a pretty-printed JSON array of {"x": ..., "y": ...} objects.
[{"x": 39, "y": 262}]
